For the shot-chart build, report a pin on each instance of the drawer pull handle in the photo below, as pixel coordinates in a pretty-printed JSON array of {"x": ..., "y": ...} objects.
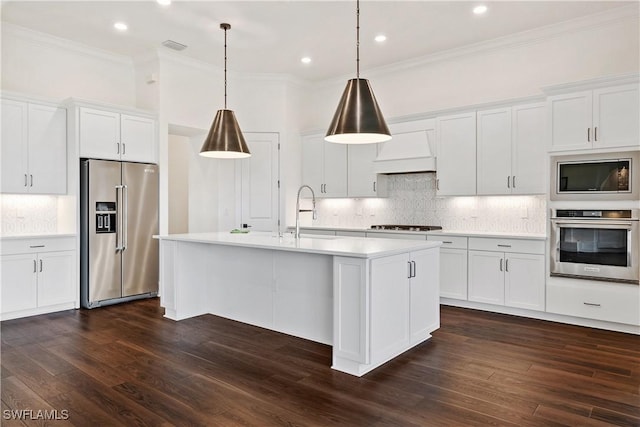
[
  {"x": 34, "y": 266},
  {"x": 40, "y": 266},
  {"x": 591, "y": 304},
  {"x": 449, "y": 242},
  {"x": 504, "y": 246},
  {"x": 501, "y": 261},
  {"x": 36, "y": 246}
]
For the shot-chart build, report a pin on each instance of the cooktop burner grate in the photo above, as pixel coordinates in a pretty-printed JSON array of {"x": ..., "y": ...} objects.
[{"x": 406, "y": 227}]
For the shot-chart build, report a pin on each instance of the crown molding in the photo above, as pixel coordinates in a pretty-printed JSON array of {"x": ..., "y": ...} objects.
[
  {"x": 598, "y": 82},
  {"x": 512, "y": 41},
  {"x": 47, "y": 40}
]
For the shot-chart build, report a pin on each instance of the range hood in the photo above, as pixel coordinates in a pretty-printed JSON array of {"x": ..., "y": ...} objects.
[{"x": 406, "y": 152}]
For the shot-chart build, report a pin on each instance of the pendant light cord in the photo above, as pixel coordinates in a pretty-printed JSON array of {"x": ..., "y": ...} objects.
[
  {"x": 358, "y": 39},
  {"x": 225, "y": 66}
]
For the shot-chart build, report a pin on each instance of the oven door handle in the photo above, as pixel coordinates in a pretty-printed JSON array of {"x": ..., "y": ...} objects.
[{"x": 595, "y": 224}]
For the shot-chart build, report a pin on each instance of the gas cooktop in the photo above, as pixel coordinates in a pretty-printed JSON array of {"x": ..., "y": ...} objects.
[{"x": 406, "y": 227}]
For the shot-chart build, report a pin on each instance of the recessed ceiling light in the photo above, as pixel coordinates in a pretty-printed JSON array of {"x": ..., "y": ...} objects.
[
  {"x": 120, "y": 26},
  {"x": 164, "y": 2},
  {"x": 479, "y": 10},
  {"x": 305, "y": 60},
  {"x": 380, "y": 38}
]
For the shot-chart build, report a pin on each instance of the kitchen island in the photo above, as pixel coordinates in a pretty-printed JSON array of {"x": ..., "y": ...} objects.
[{"x": 370, "y": 299}]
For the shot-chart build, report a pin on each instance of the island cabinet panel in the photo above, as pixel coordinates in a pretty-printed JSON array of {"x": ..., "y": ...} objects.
[
  {"x": 351, "y": 307},
  {"x": 390, "y": 305},
  {"x": 424, "y": 296}
]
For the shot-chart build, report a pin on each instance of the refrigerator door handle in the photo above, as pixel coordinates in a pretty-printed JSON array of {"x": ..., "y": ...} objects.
[
  {"x": 119, "y": 247},
  {"x": 125, "y": 215}
]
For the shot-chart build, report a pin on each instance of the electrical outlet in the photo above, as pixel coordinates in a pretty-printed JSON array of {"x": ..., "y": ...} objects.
[{"x": 524, "y": 213}]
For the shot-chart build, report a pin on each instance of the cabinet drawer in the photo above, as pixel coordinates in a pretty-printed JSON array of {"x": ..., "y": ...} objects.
[
  {"x": 612, "y": 302},
  {"x": 406, "y": 236},
  {"x": 37, "y": 244},
  {"x": 507, "y": 245},
  {"x": 454, "y": 242}
]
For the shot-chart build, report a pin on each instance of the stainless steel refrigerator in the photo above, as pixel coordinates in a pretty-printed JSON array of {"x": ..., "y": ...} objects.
[{"x": 118, "y": 217}]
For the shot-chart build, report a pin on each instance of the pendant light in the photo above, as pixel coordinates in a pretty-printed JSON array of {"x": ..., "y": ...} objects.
[
  {"x": 358, "y": 119},
  {"x": 225, "y": 140}
]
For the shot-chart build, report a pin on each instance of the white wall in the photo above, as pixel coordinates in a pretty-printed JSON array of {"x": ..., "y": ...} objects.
[
  {"x": 489, "y": 73},
  {"x": 41, "y": 65},
  {"x": 179, "y": 149}
]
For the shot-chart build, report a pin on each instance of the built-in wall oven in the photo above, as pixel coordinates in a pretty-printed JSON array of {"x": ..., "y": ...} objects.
[{"x": 596, "y": 244}]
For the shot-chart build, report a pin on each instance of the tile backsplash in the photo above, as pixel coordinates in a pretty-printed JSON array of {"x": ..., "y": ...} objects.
[
  {"x": 28, "y": 214},
  {"x": 412, "y": 200}
]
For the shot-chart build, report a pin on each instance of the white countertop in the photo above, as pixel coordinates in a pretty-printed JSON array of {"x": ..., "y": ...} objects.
[
  {"x": 36, "y": 236},
  {"x": 495, "y": 234},
  {"x": 326, "y": 245}
]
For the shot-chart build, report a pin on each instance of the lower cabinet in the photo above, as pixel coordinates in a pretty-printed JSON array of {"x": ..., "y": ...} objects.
[
  {"x": 453, "y": 265},
  {"x": 507, "y": 272},
  {"x": 607, "y": 301},
  {"x": 38, "y": 276}
]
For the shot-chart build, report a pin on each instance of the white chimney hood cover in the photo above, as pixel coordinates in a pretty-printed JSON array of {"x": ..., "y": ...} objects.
[{"x": 406, "y": 152}]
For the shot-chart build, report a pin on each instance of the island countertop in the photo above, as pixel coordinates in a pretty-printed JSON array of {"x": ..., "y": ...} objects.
[{"x": 356, "y": 247}]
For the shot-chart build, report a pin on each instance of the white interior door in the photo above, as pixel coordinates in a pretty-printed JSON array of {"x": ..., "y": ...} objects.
[{"x": 260, "y": 173}]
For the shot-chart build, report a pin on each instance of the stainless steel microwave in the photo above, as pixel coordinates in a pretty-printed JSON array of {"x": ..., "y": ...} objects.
[{"x": 586, "y": 177}]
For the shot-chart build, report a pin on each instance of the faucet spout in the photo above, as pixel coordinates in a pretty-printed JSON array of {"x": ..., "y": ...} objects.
[{"x": 298, "y": 210}]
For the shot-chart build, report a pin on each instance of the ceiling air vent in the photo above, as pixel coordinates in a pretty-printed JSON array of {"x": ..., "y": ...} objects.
[{"x": 174, "y": 45}]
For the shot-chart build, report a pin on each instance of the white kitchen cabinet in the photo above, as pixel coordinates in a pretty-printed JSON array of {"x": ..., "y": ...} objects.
[
  {"x": 507, "y": 272},
  {"x": 606, "y": 301},
  {"x": 595, "y": 119},
  {"x": 111, "y": 135},
  {"x": 38, "y": 276},
  {"x": 456, "y": 155},
  {"x": 494, "y": 151},
  {"x": 404, "y": 302},
  {"x": 511, "y": 150},
  {"x": 324, "y": 166},
  {"x": 453, "y": 265},
  {"x": 529, "y": 148},
  {"x": 362, "y": 180},
  {"x": 34, "y": 148}
]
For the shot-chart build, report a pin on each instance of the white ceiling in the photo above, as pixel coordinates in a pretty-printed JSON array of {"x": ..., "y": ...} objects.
[{"x": 272, "y": 36}]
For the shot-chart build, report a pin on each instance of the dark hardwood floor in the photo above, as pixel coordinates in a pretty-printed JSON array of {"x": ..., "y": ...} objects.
[{"x": 127, "y": 365}]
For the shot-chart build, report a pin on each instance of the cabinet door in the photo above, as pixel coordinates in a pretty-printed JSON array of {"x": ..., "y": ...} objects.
[
  {"x": 137, "y": 139},
  {"x": 424, "y": 295},
  {"x": 99, "y": 134},
  {"x": 390, "y": 305},
  {"x": 14, "y": 161},
  {"x": 19, "y": 282},
  {"x": 494, "y": 151},
  {"x": 456, "y": 155},
  {"x": 312, "y": 163},
  {"x": 616, "y": 117},
  {"x": 528, "y": 149},
  {"x": 486, "y": 277},
  {"x": 570, "y": 120},
  {"x": 524, "y": 281},
  {"x": 453, "y": 273},
  {"x": 56, "y": 278},
  {"x": 361, "y": 178},
  {"x": 335, "y": 170},
  {"x": 47, "y": 149}
]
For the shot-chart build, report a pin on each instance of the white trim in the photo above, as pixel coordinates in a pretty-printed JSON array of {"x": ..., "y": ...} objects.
[
  {"x": 47, "y": 40},
  {"x": 78, "y": 102},
  {"x": 598, "y": 82}
]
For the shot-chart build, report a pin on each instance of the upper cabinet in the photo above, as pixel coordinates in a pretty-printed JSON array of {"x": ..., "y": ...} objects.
[
  {"x": 511, "y": 150},
  {"x": 324, "y": 166},
  {"x": 113, "y": 135},
  {"x": 456, "y": 154},
  {"x": 34, "y": 148},
  {"x": 362, "y": 179},
  {"x": 600, "y": 118}
]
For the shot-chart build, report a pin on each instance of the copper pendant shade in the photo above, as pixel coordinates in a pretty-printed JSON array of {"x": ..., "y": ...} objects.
[
  {"x": 358, "y": 119},
  {"x": 225, "y": 140}
]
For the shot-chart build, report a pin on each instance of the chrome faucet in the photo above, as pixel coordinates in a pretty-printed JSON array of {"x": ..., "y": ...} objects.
[{"x": 298, "y": 210}]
